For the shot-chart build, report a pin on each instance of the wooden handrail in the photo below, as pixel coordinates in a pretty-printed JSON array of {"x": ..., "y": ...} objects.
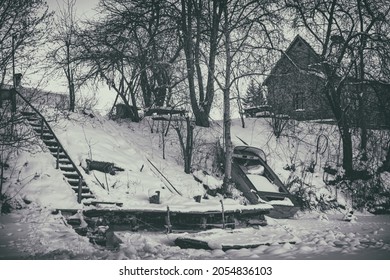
[{"x": 55, "y": 137}]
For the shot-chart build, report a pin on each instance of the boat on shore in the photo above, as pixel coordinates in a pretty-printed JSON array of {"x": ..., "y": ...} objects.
[{"x": 259, "y": 183}]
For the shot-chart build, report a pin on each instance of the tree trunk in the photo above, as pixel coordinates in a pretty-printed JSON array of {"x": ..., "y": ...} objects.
[
  {"x": 1, "y": 180},
  {"x": 160, "y": 93},
  {"x": 240, "y": 109},
  {"x": 226, "y": 107},
  {"x": 333, "y": 95},
  {"x": 216, "y": 19},
  {"x": 201, "y": 117},
  {"x": 361, "y": 95},
  {"x": 146, "y": 92},
  {"x": 347, "y": 151},
  {"x": 72, "y": 97},
  {"x": 69, "y": 76},
  {"x": 135, "y": 110},
  {"x": 188, "y": 147},
  {"x": 362, "y": 125},
  {"x": 201, "y": 108}
]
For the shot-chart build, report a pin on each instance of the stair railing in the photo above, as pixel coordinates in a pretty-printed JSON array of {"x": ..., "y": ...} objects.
[{"x": 59, "y": 145}]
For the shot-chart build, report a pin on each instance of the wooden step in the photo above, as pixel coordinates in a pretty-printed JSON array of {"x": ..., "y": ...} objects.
[
  {"x": 65, "y": 162},
  {"x": 75, "y": 183},
  {"x": 37, "y": 125},
  {"x": 94, "y": 203},
  {"x": 47, "y": 136},
  {"x": 50, "y": 143},
  {"x": 61, "y": 156},
  {"x": 34, "y": 119},
  {"x": 54, "y": 149},
  {"x": 83, "y": 189},
  {"x": 87, "y": 195},
  {"x": 67, "y": 168},
  {"x": 72, "y": 175},
  {"x": 38, "y": 130}
]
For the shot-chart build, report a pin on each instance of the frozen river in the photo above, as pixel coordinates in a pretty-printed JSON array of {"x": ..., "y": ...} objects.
[{"x": 39, "y": 236}]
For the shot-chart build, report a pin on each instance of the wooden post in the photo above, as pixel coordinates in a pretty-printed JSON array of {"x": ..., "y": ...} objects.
[
  {"x": 152, "y": 127},
  {"x": 223, "y": 214},
  {"x": 169, "y": 226},
  {"x": 163, "y": 138},
  {"x": 79, "y": 190},
  {"x": 58, "y": 157},
  {"x": 203, "y": 222}
]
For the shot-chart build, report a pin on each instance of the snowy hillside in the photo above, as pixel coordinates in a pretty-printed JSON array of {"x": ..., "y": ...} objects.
[
  {"x": 37, "y": 188},
  {"x": 127, "y": 145}
]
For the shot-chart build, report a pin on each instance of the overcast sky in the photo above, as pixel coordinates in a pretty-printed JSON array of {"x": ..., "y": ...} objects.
[{"x": 84, "y": 8}]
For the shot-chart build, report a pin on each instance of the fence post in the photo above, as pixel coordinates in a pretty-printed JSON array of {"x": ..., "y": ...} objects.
[
  {"x": 223, "y": 215},
  {"x": 58, "y": 156},
  {"x": 169, "y": 226},
  {"x": 79, "y": 190}
]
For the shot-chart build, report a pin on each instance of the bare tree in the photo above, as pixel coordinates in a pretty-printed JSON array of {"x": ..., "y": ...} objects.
[
  {"x": 133, "y": 49},
  {"x": 23, "y": 26},
  {"x": 63, "y": 40},
  {"x": 110, "y": 57},
  {"x": 152, "y": 30}
]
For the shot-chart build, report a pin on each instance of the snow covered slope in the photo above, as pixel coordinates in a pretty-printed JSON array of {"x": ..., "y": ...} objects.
[
  {"x": 34, "y": 232},
  {"x": 134, "y": 149}
]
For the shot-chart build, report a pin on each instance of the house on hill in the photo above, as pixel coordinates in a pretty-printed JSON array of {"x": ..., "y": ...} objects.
[
  {"x": 293, "y": 91},
  {"x": 295, "y": 87}
]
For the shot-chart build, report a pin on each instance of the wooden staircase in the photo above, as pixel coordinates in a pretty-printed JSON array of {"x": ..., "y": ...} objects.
[{"x": 63, "y": 162}]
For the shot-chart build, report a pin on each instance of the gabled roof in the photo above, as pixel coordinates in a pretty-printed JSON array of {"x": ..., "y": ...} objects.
[
  {"x": 297, "y": 39},
  {"x": 286, "y": 54}
]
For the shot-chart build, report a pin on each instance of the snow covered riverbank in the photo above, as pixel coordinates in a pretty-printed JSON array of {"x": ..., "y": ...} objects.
[{"x": 35, "y": 234}]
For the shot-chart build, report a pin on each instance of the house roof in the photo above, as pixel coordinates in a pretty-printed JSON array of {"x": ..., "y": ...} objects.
[{"x": 286, "y": 54}]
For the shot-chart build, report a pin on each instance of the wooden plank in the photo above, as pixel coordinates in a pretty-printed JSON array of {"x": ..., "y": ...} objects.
[
  {"x": 216, "y": 225},
  {"x": 120, "y": 204},
  {"x": 85, "y": 196},
  {"x": 193, "y": 243},
  {"x": 172, "y": 212},
  {"x": 164, "y": 111}
]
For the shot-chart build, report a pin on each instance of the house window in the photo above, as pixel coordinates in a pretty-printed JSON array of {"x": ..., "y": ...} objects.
[{"x": 298, "y": 101}]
